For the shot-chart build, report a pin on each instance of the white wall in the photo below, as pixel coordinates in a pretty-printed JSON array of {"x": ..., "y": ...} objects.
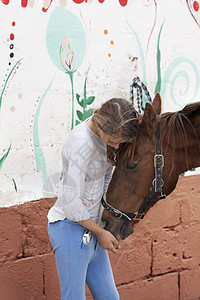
[{"x": 36, "y": 93}]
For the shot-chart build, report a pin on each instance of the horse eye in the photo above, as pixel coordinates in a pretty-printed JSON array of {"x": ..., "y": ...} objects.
[{"x": 131, "y": 166}]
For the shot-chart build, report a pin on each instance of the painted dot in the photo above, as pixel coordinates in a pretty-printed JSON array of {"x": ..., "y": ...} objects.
[
  {"x": 101, "y": 1},
  {"x": 112, "y": 43},
  {"x": 20, "y": 96},
  {"x": 13, "y": 23},
  {"x": 123, "y": 2},
  {"x": 12, "y": 36},
  {"x": 31, "y": 3},
  {"x": 105, "y": 31},
  {"x": 12, "y": 55},
  {"x": 11, "y": 46},
  {"x": 196, "y": 6},
  {"x": 9, "y": 63},
  {"x": 109, "y": 55},
  {"x": 12, "y": 108}
]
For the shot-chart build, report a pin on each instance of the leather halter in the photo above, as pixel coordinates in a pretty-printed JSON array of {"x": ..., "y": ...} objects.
[{"x": 156, "y": 186}]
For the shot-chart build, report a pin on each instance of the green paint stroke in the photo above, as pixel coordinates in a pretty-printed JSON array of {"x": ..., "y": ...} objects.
[
  {"x": 70, "y": 73},
  {"x": 82, "y": 116},
  {"x": 158, "y": 85},
  {"x": 15, "y": 185},
  {"x": 8, "y": 77},
  {"x": 39, "y": 156},
  {"x": 177, "y": 75},
  {"x": 2, "y": 160}
]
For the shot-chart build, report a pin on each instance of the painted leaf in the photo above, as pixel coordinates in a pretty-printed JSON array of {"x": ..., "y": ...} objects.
[
  {"x": 90, "y": 111},
  {"x": 77, "y": 122},
  {"x": 2, "y": 160},
  {"x": 87, "y": 113},
  {"x": 78, "y": 100},
  {"x": 90, "y": 100},
  {"x": 80, "y": 115}
]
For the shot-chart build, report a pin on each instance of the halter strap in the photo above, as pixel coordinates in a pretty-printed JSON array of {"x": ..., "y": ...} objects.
[{"x": 120, "y": 214}]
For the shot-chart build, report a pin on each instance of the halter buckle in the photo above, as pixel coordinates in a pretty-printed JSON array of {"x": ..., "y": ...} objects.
[
  {"x": 116, "y": 213},
  {"x": 138, "y": 216}
]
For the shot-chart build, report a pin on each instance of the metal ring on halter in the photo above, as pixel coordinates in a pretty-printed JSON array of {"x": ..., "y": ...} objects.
[{"x": 154, "y": 180}]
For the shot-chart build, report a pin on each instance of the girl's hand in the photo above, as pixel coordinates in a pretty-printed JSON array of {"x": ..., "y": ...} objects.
[{"x": 107, "y": 240}]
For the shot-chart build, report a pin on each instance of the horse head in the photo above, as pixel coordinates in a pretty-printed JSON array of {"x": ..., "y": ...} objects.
[
  {"x": 139, "y": 179},
  {"x": 133, "y": 174}
]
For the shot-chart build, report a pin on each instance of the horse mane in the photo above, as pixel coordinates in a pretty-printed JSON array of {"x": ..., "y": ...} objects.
[
  {"x": 174, "y": 124},
  {"x": 174, "y": 133}
]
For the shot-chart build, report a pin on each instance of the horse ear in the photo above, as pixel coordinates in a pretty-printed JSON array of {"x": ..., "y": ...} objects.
[
  {"x": 157, "y": 103},
  {"x": 149, "y": 120}
]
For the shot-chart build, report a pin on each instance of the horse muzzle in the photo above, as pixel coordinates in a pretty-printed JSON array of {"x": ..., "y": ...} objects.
[{"x": 118, "y": 227}]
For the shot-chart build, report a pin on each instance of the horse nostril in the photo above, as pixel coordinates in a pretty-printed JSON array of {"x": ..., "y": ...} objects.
[
  {"x": 102, "y": 223},
  {"x": 106, "y": 223}
]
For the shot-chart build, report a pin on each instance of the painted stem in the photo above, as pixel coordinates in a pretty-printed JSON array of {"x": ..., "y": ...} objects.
[
  {"x": 158, "y": 85},
  {"x": 72, "y": 85}
]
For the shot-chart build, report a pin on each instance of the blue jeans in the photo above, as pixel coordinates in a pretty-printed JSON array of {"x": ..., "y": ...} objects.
[{"x": 77, "y": 264}]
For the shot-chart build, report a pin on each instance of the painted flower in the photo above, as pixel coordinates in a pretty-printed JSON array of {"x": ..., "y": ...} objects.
[
  {"x": 65, "y": 39},
  {"x": 67, "y": 54}
]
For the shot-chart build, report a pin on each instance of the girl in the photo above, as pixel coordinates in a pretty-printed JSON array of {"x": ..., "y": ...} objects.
[{"x": 78, "y": 242}]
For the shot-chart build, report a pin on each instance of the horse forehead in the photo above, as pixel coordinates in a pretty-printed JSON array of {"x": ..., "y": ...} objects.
[{"x": 144, "y": 144}]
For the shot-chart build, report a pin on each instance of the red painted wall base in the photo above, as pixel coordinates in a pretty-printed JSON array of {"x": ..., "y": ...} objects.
[{"x": 159, "y": 261}]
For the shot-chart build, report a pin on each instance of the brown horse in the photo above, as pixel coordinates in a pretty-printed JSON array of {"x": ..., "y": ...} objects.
[{"x": 135, "y": 171}]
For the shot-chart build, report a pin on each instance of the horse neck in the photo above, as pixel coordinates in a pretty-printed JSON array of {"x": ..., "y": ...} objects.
[{"x": 181, "y": 143}]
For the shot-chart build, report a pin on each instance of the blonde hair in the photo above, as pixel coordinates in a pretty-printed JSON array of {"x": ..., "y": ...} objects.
[{"x": 117, "y": 117}]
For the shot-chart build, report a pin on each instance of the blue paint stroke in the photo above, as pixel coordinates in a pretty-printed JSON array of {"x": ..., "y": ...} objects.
[
  {"x": 39, "y": 156},
  {"x": 179, "y": 74}
]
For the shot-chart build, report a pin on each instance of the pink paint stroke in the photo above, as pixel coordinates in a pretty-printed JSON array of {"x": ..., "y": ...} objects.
[{"x": 154, "y": 24}]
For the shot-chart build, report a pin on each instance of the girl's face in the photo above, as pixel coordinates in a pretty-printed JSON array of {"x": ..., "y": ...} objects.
[{"x": 109, "y": 140}]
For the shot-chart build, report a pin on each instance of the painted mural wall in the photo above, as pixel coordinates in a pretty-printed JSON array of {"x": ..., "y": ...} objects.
[{"x": 61, "y": 59}]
